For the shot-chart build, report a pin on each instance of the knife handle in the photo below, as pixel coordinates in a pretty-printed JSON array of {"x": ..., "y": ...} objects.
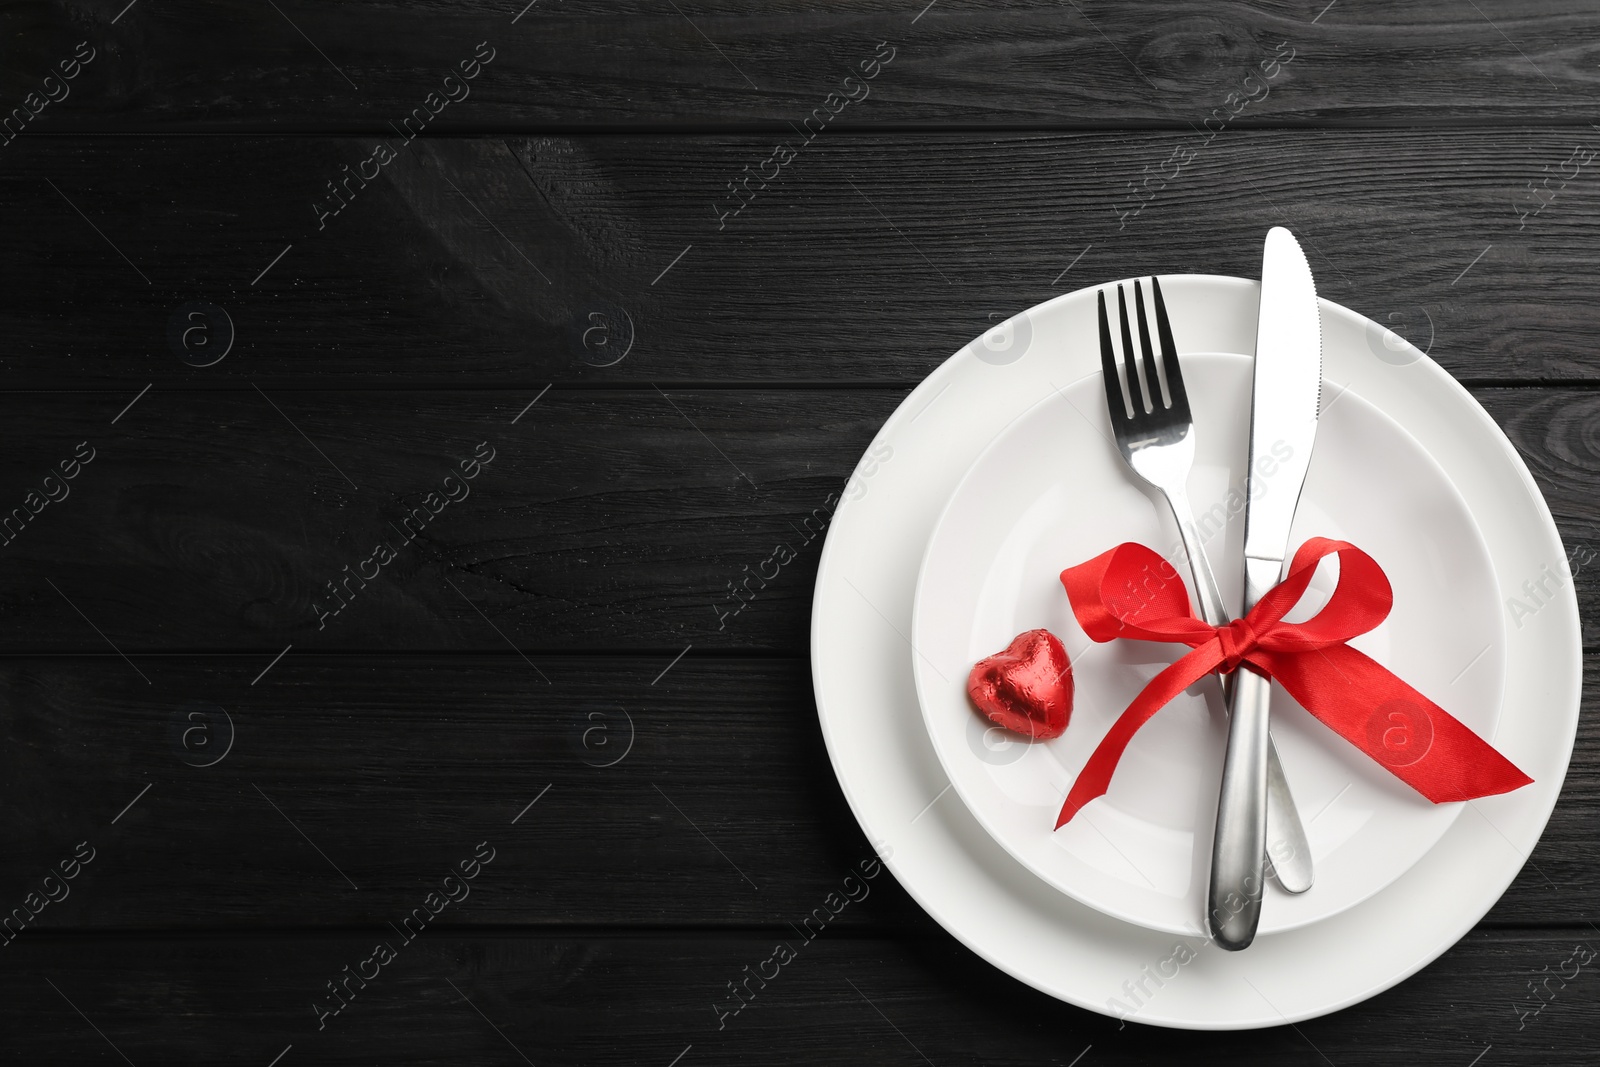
[
  {"x": 1233, "y": 899},
  {"x": 1288, "y": 849}
]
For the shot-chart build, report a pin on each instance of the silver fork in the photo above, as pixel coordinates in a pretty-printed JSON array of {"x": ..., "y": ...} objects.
[{"x": 1156, "y": 439}]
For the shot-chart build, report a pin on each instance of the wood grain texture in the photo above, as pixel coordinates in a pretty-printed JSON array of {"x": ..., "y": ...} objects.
[
  {"x": 218, "y": 519},
  {"x": 608, "y": 520},
  {"x": 449, "y": 998},
  {"x": 275, "y": 373},
  {"x": 231, "y": 66},
  {"x": 701, "y": 797},
  {"x": 868, "y": 260}
]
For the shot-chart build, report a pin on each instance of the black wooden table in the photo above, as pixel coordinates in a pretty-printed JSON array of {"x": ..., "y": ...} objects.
[{"x": 395, "y": 394}]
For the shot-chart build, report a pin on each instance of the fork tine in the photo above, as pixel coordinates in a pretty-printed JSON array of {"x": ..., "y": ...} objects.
[
  {"x": 1169, "y": 355},
  {"x": 1151, "y": 381},
  {"x": 1137, "y": 398},
  {"x": 1116, "y": 403}
]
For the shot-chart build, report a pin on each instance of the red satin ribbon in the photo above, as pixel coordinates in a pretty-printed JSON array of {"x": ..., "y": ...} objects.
[{"x": 1132, "y": 592}]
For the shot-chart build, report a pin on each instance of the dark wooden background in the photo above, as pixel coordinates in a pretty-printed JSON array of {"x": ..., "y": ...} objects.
[{"x": 564, "y": 615}]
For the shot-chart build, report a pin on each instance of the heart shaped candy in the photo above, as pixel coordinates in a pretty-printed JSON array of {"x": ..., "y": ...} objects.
[{"x": 1027, "y": 688}]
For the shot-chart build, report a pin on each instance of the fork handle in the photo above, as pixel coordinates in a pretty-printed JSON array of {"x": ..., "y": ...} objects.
[
  {"x": 1206, "y": 590},
  {"x": 1288, "y": 848}
]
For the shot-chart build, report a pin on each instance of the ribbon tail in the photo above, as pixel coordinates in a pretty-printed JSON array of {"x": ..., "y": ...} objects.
[
  {"x": 1412, "y": 737},
  {"x": 1095, "y": 778}
]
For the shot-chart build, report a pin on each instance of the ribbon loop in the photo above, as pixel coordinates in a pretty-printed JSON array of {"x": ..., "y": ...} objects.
[{"x": 1132, "y": 592}]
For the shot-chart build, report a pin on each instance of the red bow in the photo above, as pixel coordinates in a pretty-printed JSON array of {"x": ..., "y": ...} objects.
[{"x": 1132, "y": 592}]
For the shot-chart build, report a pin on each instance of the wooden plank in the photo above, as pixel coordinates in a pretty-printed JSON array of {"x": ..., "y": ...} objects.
[
  {"x": 1556, "y": 441},
  {"x": 339, "y": 790},
  {"x": 562, "y": 999},
  {"x": 246, "y": 519},
  {"x": 242, "y": 66},
  {"x": 619, "y": 792},
  {"x": 620, "y": 260},
  {"x": 608, "y": 520}
]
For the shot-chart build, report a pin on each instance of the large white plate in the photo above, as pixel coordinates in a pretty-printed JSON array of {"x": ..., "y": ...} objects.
[
  {"x": 890, "y": 774},
  {"x": 1051, "y": 491}
]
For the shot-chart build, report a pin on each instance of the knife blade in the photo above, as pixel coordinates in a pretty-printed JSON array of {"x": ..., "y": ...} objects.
[{"x": 1285, "y": 398}]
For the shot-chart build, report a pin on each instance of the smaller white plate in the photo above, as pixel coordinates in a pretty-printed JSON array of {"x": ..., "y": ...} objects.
[{"x": 1050, "y": 492}]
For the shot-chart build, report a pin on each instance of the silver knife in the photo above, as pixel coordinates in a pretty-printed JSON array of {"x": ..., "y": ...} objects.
[{"x": 1283, "y": 426}]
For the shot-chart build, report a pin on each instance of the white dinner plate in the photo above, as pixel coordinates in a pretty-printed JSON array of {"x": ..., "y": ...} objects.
[
  {"x": 1052, "y": 491},
  {"x": 895, "y": 784}
]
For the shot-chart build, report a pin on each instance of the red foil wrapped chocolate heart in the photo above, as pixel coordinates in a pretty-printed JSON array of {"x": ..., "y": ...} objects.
[{"x": 1027, "y": 688}]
